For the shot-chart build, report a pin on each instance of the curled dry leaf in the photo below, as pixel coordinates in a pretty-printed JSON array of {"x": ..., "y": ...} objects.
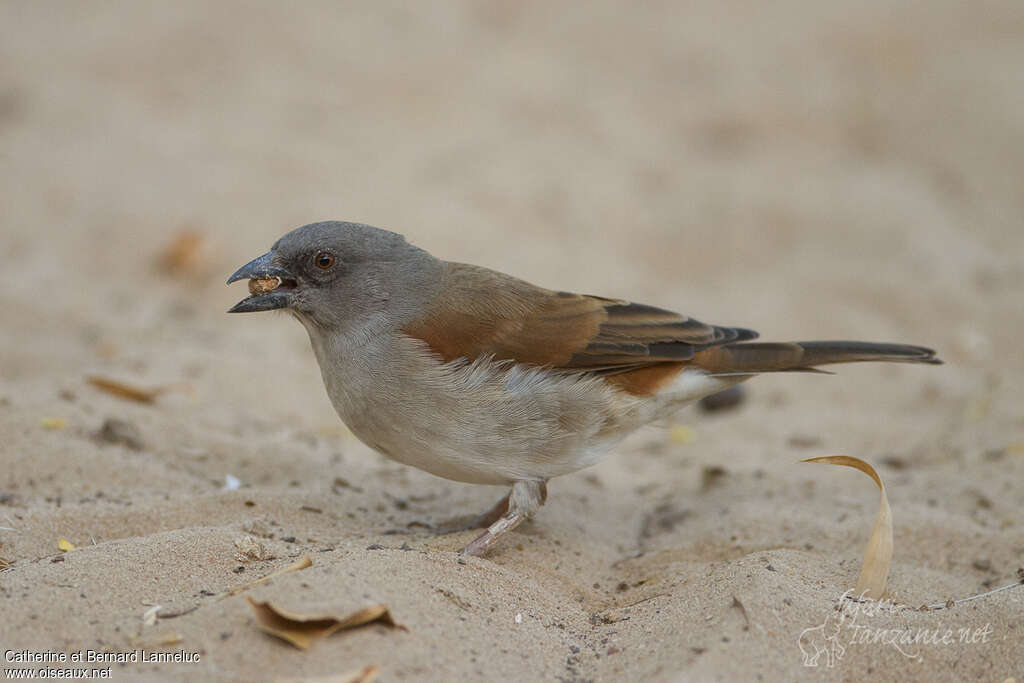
[
  {"x": 301, "y": 630},
  {"x": 4, "y": 563},
  {"x": 878, "y": 555},
  {"x": 64, "y": 545}
]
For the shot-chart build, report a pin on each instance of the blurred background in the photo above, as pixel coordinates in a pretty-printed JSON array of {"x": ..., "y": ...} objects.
[
  {"x": 812, "y": 170},
  {"x": 714, "y": 157}
]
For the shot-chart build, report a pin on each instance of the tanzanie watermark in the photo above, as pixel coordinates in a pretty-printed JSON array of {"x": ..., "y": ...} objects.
[{"x": 841, "y": 629}]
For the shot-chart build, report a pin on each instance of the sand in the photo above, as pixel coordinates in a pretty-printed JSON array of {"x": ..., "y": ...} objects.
[{"x": 811, "y": 170}]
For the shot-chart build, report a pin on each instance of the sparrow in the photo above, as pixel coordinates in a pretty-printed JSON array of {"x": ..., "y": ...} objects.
[{"x": 480, "y": 377}]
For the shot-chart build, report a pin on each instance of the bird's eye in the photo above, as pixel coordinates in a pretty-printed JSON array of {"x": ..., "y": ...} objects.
[{"x": 324, "y": 260}]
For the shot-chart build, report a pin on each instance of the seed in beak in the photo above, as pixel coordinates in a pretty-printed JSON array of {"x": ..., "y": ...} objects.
[{"x": 258, "y": 287}]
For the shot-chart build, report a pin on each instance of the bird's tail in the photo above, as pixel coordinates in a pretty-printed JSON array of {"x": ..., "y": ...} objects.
[{"x": 751, "y": 358}]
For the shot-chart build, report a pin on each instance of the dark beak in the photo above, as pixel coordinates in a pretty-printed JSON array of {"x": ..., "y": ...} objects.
[{"x": 264, "y": 268}]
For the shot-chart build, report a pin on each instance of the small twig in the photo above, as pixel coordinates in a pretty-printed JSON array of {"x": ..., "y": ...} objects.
[
  {"x": 174, "y": 615},
  {"x": 651, "y": 597},
  {"x": 303, "y": 563},
  {"x": 953, "y": 603},
  {"x": 736, "y": 603}
]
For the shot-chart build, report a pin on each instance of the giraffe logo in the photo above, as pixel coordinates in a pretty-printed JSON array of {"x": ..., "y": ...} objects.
[{"x": 822, "y": 639}]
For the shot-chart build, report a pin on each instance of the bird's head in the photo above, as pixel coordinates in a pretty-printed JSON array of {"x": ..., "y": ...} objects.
[{"x": 337, "y": 274}]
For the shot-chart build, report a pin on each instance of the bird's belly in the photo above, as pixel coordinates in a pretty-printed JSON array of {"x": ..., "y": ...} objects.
[
  {"x": 480, "y": 422},
  {"x": 478, "y": 446},
  {"x": 440, "y": 461}
]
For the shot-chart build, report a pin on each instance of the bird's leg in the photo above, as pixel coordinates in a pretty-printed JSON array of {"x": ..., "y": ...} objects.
[
  {"x": 496, "y": 512},
  {"x": 524, "y": 499}
]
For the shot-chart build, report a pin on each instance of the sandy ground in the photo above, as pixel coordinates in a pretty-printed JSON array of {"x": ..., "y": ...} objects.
[{"x": 811, "y": 170}]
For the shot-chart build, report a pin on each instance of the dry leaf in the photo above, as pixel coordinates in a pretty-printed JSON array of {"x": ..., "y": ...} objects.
[
  {"x": 53, "y": 423},
  {"x": 65, "y": 545},
  {"x": 878, "y": 555},
  {"x": 4, "y": 563},
  {"x": 303, "y": 562},
  {"x": 125, "y": 391},
  {"x": 301, "y": 630},
  {"x": 183, "y": 254}
]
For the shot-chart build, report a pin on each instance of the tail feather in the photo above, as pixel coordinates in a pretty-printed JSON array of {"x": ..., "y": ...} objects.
[{"x": 757, "y": 357}]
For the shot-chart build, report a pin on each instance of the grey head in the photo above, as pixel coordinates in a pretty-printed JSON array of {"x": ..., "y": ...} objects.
[{"x": 336, "y": 275}]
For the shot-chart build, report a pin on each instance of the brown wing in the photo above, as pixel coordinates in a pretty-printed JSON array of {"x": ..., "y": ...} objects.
[
  {"x": 632, "y": 335},
  {"x": 483, "y": 312}
]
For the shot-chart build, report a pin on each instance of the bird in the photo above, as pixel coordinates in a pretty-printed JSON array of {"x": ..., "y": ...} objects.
[{"x": 480, "y": 377}]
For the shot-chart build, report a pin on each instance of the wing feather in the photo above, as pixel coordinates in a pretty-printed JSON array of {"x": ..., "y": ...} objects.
[{"x": 482, "y": 312}]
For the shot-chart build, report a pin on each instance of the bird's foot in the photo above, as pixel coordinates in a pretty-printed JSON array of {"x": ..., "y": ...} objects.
[
  {"x": 525, "y": 499},
  {"x": 484, "y": 541}
]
